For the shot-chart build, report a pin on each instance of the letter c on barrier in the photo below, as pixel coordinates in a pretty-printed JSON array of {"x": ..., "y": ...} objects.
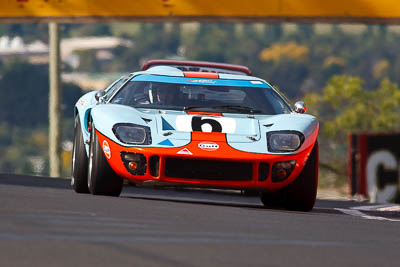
[{"x": 389, "y": 162}]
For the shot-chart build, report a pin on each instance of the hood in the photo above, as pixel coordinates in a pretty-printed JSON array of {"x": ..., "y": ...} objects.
[
  {"x": 177, "y": 125},
  {"x": 174, "y": 128}
]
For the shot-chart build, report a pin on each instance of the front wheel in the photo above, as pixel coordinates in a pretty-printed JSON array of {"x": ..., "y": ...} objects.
[
  {"x": 79, "y": 161},
  {"x": 273, "y": 199},
  {"x": 102, "y": 180},
  {"x": 302, "y": 193}
]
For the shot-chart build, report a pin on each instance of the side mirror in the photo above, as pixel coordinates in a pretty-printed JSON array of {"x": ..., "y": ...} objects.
[
  {"x": 300, "y": 107},
  {"x": 99, "y": 94}
]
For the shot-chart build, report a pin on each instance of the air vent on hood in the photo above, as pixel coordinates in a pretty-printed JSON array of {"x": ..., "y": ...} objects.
[{"x": 146, "y": 120}]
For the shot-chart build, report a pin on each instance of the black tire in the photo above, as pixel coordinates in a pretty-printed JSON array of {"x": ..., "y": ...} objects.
[
  {"x": 301, "y": 194},
  {"x": 102, "y": 180},
  {"x": 273, "y": 199},
  {"x": 79, "y": 161}
]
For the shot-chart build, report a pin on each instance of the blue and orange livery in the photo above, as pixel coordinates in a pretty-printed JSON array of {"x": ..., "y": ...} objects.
[{"x": 198, "y": 129}]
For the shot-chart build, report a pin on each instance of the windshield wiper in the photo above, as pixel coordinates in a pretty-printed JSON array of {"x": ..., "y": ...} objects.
[
  {"x": 194, "y": 107},
  {"x": 238, "y": 108},
  {"x": 241, "y": 109}
]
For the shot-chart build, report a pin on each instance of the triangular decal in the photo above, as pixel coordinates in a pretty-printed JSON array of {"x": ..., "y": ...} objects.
[
  {"x": 166, "y": 126},
  {"x": 166, "y": 142},
  {"x": 184, "y": 151}
]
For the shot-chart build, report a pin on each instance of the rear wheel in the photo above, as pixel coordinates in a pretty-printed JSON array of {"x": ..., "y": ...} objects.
[
  {"x": 79, "y": 161},
  {"x": 301, "y": 194},
  {"x": 102, "y": 180}
]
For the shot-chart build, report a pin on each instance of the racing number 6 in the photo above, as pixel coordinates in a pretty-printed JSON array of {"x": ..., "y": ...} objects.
[{"x": 198, "y": 122}]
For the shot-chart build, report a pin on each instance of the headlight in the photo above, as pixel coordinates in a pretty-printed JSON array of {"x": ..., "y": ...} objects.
[
  {"x": 132, "y": 134},
  {"x": 284, "y": 141}
]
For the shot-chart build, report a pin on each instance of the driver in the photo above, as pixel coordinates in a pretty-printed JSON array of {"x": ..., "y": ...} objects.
[{"x": 165, "y": 95}]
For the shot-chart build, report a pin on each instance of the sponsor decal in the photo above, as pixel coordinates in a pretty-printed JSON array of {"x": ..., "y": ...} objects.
[
  {"x": 81, "y": 102},
  {"x": 106, "y": 149},
  {"x": 184, "y": 151},
  {"x": 208, "y": 124},
  {"x": 208, "y": 146},
  {"x": 201, "y": 81}
]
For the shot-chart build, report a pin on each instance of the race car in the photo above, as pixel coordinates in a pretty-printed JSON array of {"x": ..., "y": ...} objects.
[{"x": 165, "y": 126}]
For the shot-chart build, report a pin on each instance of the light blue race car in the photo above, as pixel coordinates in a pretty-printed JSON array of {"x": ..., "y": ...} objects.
[{"x": 166, "y": 126}]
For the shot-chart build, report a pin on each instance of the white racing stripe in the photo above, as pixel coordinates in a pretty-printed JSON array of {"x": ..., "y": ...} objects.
[{"x": 365, "y": 216}]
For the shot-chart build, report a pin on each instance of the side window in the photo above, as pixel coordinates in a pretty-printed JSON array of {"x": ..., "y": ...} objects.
[
  {"x": 120, "y": 97},
  {"x": 111, "y": 89},
  {"x": 278, "y": 104},
  {"x": 126, "y": 94}
]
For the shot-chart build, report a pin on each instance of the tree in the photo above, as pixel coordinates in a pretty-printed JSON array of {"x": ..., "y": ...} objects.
[
  {"x": 306, "y": 30},
  {"x": 344, "y": 107},
  {"x": 347, "y": 107},
  {"x": 24, "y": 90}
]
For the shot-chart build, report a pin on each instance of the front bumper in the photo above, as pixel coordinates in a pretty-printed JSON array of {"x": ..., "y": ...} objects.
[{"x": 190, "y": 165}]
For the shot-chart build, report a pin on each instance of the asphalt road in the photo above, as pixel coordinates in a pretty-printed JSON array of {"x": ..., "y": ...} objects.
[{"x": 44, "y": 223}]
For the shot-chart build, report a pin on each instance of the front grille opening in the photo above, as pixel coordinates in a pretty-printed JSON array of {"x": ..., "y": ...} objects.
[
  {"x": 263, "y": 171},
  {"x": 154, "y": 165},
  {"x": 208, "y": 169}
]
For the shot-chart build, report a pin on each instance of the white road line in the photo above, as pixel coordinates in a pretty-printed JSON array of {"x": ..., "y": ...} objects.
[
  {"x": 390, "y": 208},
  {"x": 365, "y": 216},
  {"x": 380, "y": 207}
]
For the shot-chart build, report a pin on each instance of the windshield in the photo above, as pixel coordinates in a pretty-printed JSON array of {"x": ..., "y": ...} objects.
[{"x": 206, "y": 95}]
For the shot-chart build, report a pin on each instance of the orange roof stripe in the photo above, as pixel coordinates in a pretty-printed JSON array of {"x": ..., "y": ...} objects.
[{"x": 194, "y": 74}]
